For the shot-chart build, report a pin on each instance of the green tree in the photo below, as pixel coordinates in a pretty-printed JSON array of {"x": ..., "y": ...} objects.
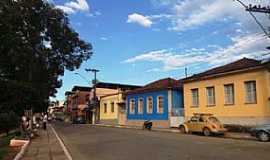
[
  {"x": 37, "y": 46},
  {"x": 8, "y": 121}
]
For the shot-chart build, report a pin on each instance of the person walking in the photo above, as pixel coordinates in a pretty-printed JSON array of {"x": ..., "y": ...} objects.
[
  {"x": 24, "y": 126},
  {"x": 45, "y": 119}
]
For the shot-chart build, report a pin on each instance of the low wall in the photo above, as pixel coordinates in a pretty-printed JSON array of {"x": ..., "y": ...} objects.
[
  {"x": 109, "y": 121},
  {"x": 156, "y": 123}
]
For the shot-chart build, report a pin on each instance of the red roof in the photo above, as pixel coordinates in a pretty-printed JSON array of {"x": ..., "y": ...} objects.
[
  {"x": 167, "y": 83},
  {"x": 242, "y": 64}
]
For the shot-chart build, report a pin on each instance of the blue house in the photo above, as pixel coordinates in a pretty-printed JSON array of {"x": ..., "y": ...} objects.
[{"x": 160, "y": 101}]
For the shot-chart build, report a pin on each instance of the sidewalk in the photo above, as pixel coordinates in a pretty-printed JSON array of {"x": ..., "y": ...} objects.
[
  {"x": 231, "y": 135},
  {"x": 45, "y": 147}
]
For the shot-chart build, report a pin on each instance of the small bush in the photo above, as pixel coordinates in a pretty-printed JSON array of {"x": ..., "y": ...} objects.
[{"x": 8, "y": 121}]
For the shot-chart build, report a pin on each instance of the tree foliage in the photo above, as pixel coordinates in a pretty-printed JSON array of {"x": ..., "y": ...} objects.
[
  {"x": 37, "y": 46},
  {"x": 8, "y": 120}
]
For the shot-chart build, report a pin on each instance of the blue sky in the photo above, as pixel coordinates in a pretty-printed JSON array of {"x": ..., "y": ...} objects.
[{"x": 136, "y": 42}]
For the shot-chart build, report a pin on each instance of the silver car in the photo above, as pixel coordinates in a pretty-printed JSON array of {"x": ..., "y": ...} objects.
[{"x": 261, "y": 132}]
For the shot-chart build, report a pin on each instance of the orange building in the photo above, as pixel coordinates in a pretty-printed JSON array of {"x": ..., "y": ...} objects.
[
  {"x": 78, "y": 101},
  {"x": 237, "y": 93}
]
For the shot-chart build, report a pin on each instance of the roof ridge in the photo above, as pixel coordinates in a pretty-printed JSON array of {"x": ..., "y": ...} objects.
[
  {"x": 167, "y": 78},
  {"x": 240, "y": 64},
  {"x": 165, "y": 83}
]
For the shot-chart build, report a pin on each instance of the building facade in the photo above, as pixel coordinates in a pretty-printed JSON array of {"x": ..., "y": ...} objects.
[
  {"x": 112, "y": 109},
  {"x": 104, "y": 89},
  {"x": 79, "y": 101},
  {"x": 68, "y": 102},
  {"x": 236, "y": 93},
  {"x": 160, "y": 102}
]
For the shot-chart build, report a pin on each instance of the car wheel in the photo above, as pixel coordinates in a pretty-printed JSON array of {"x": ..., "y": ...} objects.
[
  {"x": 263, "y": 136},
  {"x": 182, "y": 129},
  {"x": 206, "y": 132}
]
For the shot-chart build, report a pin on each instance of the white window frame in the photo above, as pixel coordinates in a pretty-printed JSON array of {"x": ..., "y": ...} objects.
[
  {"x": 229, "y": 94},
  {"x": 148, "y": 105},
  {"x": 158, "y": 104},
  {"x": 132, "y": 106},
  {"x": 140, "y": 106},
  {"x": 250, "y": 93},
  {"x": 210, "y": 99},
  {"x": 197, "y": 97}
]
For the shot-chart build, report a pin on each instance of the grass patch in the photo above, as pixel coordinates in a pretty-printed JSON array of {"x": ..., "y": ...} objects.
[{"x": 4, "y": 144}]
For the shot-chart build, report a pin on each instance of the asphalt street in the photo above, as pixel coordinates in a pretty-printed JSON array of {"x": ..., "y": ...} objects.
[{"x": 86, "y": 142}]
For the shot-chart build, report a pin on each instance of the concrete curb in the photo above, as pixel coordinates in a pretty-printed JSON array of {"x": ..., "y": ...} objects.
[
  {"x": 62, "y": 144},
  {"x": 237, "y": 136},
  {"x": 138, "y": 128},
  {"x": 22, "y": 151}
]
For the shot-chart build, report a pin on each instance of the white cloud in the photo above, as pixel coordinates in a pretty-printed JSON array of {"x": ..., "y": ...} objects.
[
  {"x": 160, "y": 16},
  {"x": 95, "y": 14},
  {"x": 153, "y": 70},
  {"x": 66, "y": 9},
  {"x": 170, "y": 60},
  {"x": 104, "y": 38},
  {"x": 139, "y": 19},
  {"x": 74, "y": 6},
  {"x": 149, "y": 56},
  {"x": 189, "y": 14},
  {"x": 203, "y": 13},
  {"x": 252, "y": 46},
  {"x": 79, "y": 5},
  {"x": 162, "y": 2}
]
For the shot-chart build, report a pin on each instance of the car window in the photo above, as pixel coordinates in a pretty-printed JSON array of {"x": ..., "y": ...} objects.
[
  {"x": 201, "y": 119},
  {"x": 213, "y": 120},
  {"x": 194, "y": 119}
]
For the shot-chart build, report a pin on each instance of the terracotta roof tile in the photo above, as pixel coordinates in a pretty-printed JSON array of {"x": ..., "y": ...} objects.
[
  {"x": 167, "y": 83},
  {"x": 244, "y": 63},
  {"x": 81, "y": 88}
]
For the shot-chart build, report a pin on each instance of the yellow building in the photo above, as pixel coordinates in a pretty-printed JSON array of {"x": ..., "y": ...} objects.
[
  {"x": 236, "y": 93},
  {"x": 112, "y": 109},
  {"x": 105, "y": 96}
]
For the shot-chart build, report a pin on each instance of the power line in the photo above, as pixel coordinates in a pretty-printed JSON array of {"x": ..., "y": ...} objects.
[{"x": 255, "y": 8}]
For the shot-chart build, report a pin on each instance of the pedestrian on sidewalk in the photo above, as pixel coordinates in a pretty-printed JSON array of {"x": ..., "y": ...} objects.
[
  {"x": 24, "y": 126},
  {"x": 45, "y": 119},
  {"x": 29, "y": 128}
]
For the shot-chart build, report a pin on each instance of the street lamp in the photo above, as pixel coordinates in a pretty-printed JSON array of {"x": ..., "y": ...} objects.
[{"x": 94, "y": 86}]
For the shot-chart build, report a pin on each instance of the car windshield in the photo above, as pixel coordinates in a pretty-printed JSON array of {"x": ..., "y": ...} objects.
[
  {"x": 194, "y": 119},
  {"x": 213, "y": 120}
]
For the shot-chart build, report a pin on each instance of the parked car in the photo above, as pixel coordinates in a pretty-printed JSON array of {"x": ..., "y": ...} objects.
[
  {"x": 203, "y": 123},
  {"x": 261, "y": 132},
  {"x": 79, "y": 120}
]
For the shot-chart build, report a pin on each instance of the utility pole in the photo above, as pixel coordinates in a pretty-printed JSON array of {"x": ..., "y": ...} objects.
[
  {"x": 94, "y": 86},
  {"x": 259, "y": 9},
  {"x": 186, "y": 74}
]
